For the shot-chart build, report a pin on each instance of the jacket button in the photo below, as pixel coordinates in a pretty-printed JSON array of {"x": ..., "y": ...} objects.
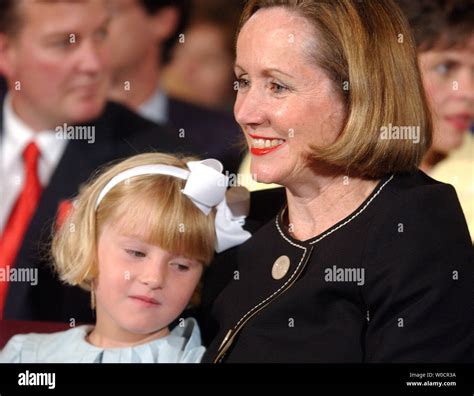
[{"x": 280, "y": 267}]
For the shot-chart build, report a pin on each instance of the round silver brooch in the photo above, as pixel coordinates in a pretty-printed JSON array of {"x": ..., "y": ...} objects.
[{"x": 280, "y": 267}]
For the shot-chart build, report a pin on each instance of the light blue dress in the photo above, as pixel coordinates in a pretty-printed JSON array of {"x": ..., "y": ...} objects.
[{"x": 182, "y": 345}]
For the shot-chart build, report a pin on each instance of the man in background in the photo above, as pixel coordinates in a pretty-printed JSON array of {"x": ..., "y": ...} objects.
[
  {"x": 201, "y": 69},
  {"x": 56, "y": 129},
  {"x": 141, "y": 35}
]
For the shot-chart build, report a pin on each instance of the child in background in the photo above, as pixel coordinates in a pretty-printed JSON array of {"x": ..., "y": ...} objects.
[{"x": 138, "y": 238}]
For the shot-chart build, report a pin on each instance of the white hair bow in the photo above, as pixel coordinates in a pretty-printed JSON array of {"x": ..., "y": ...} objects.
[{"x": 206, "y": 187}]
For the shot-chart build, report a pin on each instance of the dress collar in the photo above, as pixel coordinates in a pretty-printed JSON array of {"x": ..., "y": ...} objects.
[{"x": 282, "y": 228}]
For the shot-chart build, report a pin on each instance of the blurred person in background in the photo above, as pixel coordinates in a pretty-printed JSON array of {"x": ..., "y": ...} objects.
[
  {"x": 141, "y": 35},
  {"x": 201, "y": 67},
  {"x": 444, "y": 34},
  {"x": 56, "y": 129}
]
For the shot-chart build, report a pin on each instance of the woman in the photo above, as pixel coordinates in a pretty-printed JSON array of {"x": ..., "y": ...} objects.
[
  {"x": 361, "y": 265},
  {"x": 446, "y": 59}
]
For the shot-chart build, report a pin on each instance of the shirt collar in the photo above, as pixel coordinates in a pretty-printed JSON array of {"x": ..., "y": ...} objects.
[
  {"x": 17, "y": 135},
  {"x": 155, "y": 108}
]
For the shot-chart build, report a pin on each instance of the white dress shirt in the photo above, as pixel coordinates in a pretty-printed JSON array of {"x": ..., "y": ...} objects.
[
  {"x": 155, "y": 109},
  {"x": 16, "y": 136}
]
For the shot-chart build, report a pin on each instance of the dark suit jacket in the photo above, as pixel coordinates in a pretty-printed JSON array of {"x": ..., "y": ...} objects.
[
  {"x": 120, "y": 133},
  {"x": 212, "y": 134},
  {"x": 3, "y": 86}
]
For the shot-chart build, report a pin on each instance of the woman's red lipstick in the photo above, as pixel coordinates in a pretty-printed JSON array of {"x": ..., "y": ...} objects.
[{"x": 260, "y": 141}]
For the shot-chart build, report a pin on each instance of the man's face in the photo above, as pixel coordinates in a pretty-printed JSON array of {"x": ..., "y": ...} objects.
[
  {"x": 203, "y": 65},
  {"x": 57, "y": 63}
]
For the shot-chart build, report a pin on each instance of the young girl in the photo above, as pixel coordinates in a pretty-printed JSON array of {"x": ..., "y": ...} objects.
[{"x": 138, "y": 238}]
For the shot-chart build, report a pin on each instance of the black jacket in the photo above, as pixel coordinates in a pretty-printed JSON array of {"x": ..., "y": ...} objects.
[{"x": 413, "y": 300}]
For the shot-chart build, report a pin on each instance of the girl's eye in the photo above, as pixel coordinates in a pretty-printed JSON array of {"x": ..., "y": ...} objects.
[
  {"x": 180, "y": 267},
  {"x": 135, "y": 253}
]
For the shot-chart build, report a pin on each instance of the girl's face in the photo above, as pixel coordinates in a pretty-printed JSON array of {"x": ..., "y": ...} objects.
[{"x": 140, "y": 288}]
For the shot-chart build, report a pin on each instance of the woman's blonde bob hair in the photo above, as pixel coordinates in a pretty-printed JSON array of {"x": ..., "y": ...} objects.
[
  {"x": 367, "y": 50},
  {"x": 150, "y": 206}
]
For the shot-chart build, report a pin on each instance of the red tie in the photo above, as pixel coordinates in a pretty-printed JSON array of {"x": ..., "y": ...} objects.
[{"x": 20, "y": 217}]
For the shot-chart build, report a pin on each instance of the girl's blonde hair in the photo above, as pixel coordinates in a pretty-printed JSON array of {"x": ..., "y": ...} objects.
[{"x": 151, "y": 206}]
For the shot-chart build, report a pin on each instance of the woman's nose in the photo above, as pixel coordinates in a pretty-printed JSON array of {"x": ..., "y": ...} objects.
[
  {"x": 249, "y": 109},
  {"x": 464, "y": 85}
]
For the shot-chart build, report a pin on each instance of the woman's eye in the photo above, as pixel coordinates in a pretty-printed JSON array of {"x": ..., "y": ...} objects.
[
  {"x": 242, "y": 83},
  {"x": 444, "y": 68},
  {"x": 135, "y": 253},
  {"x": 278, "y": 88}
]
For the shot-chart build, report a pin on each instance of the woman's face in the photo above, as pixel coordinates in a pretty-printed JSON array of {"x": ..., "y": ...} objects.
[
  {"x": 285, "y": 102},
  {"x": 448, "y": 77}
]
